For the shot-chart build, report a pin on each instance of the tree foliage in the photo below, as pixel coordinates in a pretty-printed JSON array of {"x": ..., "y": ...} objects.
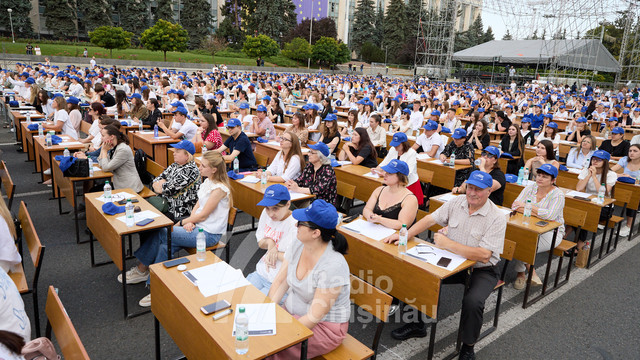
[
  {"x": 213, "y": 44},
  {"x": 95, "y": 13},
  {"x": 165, "y": 36},
  {"x": 134, "y": 15},
  {"x": 507, "y": 36},
  {"x": 61, "y": 18},
  {"x": 196, "y": 19},
  {"x": 298, "y": 49},
  {"x": 414, "y": 8},
  {"x": 328, "y": 51},
  {"x": 371, "y": 53},
  {"x": 274, "y": 18},
  {"x": 110, "y": 38},
  {"x": 324, "y": 27},
  {"x": 363, "y": 27},
  {"x": 395, "y": 27},
  {"x": 163, "y": 11},
  {"x": 475, "y": 35},
  {"x": 231, "y": 27},
  {"x": 260, "y": 46},
  {"x": 378, "y": 24},
  {"x": 22, "y": 26}
]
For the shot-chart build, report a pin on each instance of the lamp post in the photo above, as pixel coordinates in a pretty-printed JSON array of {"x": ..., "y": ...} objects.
[
  {"x": 11, "y": 21},
  {"x": 310, "y": 32}
]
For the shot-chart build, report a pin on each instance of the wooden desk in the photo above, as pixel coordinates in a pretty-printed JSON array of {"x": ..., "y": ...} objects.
[
  {"x": 45, "y": 155},
  {"x": 155, "y": 148},
  {"x": 354, "y": 175},
  {"x": 443, "y": 176},
  {"x": 17, "y": 118},
  {"x": 246, "y": 196},
  {"x": 67, "y": 187},
  {"x": 27, "y": 140},
  {"x": 111, "y": 233},
  {"x": 176, "y": 305},
  {"x": 376, "y": 262}
]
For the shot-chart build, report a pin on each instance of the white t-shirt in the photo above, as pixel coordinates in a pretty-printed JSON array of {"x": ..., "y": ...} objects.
[
  {"x": 408, "y": 157},
  {"x": 282, "y": 232},
  {"x": 612, "y": 177},
  {"x": 9, "y": 255},
  {"x": 67, "y": 126},
  {"x": 12, "y": 315},
  {"x": 428, "y": 142},
  {"x": 416, "y": 119},
  {"x": 290, "y": 172},
  {"x": 188, "y": 129},
  {"x": 216, "y": 222}
]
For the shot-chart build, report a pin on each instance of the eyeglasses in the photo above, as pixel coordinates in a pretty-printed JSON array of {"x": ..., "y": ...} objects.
[
  {"x": 307, "y": 224},
  {"x": 486, "y": 154}
]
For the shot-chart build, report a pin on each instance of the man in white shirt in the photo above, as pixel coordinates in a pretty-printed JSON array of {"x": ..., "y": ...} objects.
[
  {"x": 25, "y": 91},
  {"x": 92, "y": 62},
  {"x": 182, "y": 127},
  {"x": 417, "y": 118},
  {"x": 430, "y": 141}
]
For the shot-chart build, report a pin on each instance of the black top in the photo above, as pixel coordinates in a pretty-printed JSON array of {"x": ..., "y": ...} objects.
[
  {"x": 329, "y": 139},
  {"x": 153, "y": 118},
  {"x": 530, "y": 138},
  {"x": 498, "y": 196},
  {"x": 572, "y": 136},
  {"x": 514, "y": 149},
  {"x": 108, "y": 99},
  {"x": 485, "y": 141},
  {"x": 367, "y": 153},
  {"x": 618, "y": 151},
  {"x": 391, "y": 212},
  {"x": 243, "y": 145}
]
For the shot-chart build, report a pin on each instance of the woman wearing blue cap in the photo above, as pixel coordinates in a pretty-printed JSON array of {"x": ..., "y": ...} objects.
[
  {"x": 330, "y": 133},
  {"x": 617, "y": 146},
  {"x": 400, "y": 149},
  {"x": 404, "y": 123},
  {"x": 138, "y": 110},
  {"x": 394, "y": 204},
  {"x": 549, "y": 132},
  {"x": 315, "y": 277},
  {"x": 61, "y": 119},
  {"x": 75, "y": 116},
  {"x": 275, "y": 233},
  {"x": 318, "y": 177},
  {"x": 547, "y": 202},
  {"x": 578, "y": 158},
  {"x": 582, "y": 129},
  {"x": 527, "y": 133}
]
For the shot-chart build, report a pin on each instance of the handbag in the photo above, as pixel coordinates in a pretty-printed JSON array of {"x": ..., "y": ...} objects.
[
  {"x": 40, "y": 349},
  {"x": 80, "y": 168}
]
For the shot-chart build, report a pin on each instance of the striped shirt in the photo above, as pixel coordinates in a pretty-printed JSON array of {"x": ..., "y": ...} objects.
[
  {"x": 485, "y": 228},
  {"x": 551, "y": 207}
]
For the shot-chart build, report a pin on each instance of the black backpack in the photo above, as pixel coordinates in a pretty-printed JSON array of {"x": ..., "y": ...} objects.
[{"x": 140, "y": 159}]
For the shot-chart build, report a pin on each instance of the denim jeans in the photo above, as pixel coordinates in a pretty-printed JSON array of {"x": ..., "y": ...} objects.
[
  {"x": 262, "y": 284},
  {"x": 154, "y": 243}
]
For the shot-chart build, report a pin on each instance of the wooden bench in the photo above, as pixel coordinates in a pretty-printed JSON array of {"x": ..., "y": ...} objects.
[
  {"x": 7, "y": 183},
  {"x": 221, "y": 244},
  {"x": 262, "y": 160},
  {"x": 623, "y": 197},
  {"x": 66, "y": 336},
  {"x": 375, "y": 302},
  {"x": 346, "y": 191},
  {"x": 575, "y": 218},
  {"x": 155, "y": 170},
  {"x": 84, "y": 127},
  {"x": 425, "y": 176}
]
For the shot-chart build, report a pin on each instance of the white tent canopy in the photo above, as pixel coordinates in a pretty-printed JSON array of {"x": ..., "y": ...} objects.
[{"x": 586, "y": 54}]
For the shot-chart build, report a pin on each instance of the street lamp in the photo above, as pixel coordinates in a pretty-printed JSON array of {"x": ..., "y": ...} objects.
[
  {"x": 310, "y": 32},
  {"x": 11, "y": 21}
]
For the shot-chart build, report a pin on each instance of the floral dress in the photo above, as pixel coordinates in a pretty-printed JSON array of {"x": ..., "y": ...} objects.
[{"x": 321, "y": 183}]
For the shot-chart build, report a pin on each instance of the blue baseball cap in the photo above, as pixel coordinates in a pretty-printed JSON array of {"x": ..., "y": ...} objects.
[
  {"x": 274, "y": 194},
  {"x": 330, "y": 117},
  {"x": 233, "y": 122},
  {"x": 398, "y": 138},
  {"x": 617, "y": 130},
  {"x": 73, "y": 100},
  {"x": 136, "y": 96},
  {"x": 181, "y": 110},
  {"x": 492, "y": 150},
  {"x": 552, "y": 125},
  {"x": 480, "y": 110},
  {"x": 435, "y": 113},
  {"x": 219, "y": 92},
  {"x": 180, "y": 92},
  {"x": 320, "y": 212},
  {"x": 549, "y": 169},
  {"x": 396, "y": 166},
  {"x": 625, "y": 111},
  {"x": 431, "y": 125},
  {"x": 30, "y": 80},
  {"x": 613, "y": 118},
  {"x": 581, "y": 119},
  {"x": 455, "y": 103},
  {"x": 261, "y": 108},
  {"x": 185, "y": 145},
  {"x": 406, "y": 111},
  {"x": 459, "y": 133},
  {"x": 176, "y": 104},
  {"x": 243, "y": 106},
  {"x": 320, "y": 146},
  {"x": 480, "y": 179},
  {"x": 601, "y": 154},
  {"x": 268, "y": 98}
]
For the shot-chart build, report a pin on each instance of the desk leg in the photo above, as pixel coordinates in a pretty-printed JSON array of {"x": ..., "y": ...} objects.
[
  {"x": 75, "y": 211},
  {"x": 169, "y": 254},
  {"x": 303, "y": 349},
  {"x": 53, "y": 181},
  {"x": 546, "y": 275},
  {"x": 156, "y": 331},
  {"x": 633, "y": 223},
  {"x": 124, "y": 279},
  {"x": 528, "y": 289},
  {"x": 593, "y": 241}
]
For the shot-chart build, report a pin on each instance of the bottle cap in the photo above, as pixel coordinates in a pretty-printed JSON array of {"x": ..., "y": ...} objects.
[{"x": 241, "y": 310}]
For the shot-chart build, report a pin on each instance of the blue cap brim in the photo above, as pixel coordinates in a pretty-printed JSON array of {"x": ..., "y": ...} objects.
[
  {"x": 477, "y": 183},
  {"x": 300, "y": 215}
]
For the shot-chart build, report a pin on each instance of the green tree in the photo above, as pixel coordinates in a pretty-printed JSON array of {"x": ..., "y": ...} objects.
[
  {"x": 60, "y": 18},
  {"x": 263, "y": 19},
  {"x": 344, "y": 54},
  {"x": 323, "y": 27},
  {"x": 196, "y": 18},
  {"x": 165, "y": 36},
  {"x": 134, "y": 15},
  {"x": 371, "y": 53},
  {"x": 163, "y": 11},
  {"x": 94, "y": 14},
  {"x": 231, "y": 27},
  {"x": 22, "y": 26},
  {"x": 110, "y": 38},
  {"x": 378, "y": 24},
  {"x": 507, "y": 36},
  {"x": 414, "y": 9},
  {"x": 213, "y": 44},
  {"x": 488, "y": 36},
  {"x": 328, "y": 51},
  {"x": 394, "y": 27},
  {"x": 363, "y": 27},
  {"x": 298, "y": 49},
  {"x": 260, "y": 46}
]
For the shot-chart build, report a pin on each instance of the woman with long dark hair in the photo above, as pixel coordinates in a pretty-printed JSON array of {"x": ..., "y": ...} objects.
[
  {"x": 360, "y": 150},
  {"x": 207, "y": 134},
  {"x": 116, "y": 156},
  {"x": 544, "y": 155},
  {"x": 513, "y": 143}
]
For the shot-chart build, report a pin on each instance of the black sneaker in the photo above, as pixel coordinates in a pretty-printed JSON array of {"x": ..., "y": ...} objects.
[
  {"x": 409, "y": 331},
  {"x": 467, "y": 353}
]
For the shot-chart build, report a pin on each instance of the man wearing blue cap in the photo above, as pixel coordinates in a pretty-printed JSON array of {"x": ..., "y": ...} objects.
[
  {"x": 182, "y": 128},
  {"x": 474, "y": 228},
  {"x": 463, "y": 152},
  {"x": 262, "y": 125},
  {"x": 429, "y": 142},
  {"x": 239, "y": 147},
  {"x": 617, "y": 146}
]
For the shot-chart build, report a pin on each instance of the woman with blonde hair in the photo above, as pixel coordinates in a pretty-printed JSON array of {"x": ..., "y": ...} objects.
[{"x": 289, "y": 162}]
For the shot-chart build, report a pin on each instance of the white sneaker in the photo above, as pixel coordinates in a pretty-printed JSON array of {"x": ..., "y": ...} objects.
[
  {"x": 145, "y": 301},
  {"x": 135, "y": 276},
  {"x": 48, "y": 171},
  {"x": 624, "y": 231},
  {"x": 600, "y": 226}
]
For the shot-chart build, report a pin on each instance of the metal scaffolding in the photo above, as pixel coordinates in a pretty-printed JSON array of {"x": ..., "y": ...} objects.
[{"x": 434, "y": 47}]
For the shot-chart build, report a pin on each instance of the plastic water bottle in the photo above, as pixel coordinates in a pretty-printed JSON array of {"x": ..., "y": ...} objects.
[
  {"x": 525, "y": 176},
  {"x": 236, "y": 165},
  {"x": 40, "y": 129},
  {"x": 601, "y": 193},
  {"x": 452, "y": 160},
  {"x": 263, "y": 177},
  {"x": 520, "y": 175},
  {"x": 116, "y": 116},
  {"x": 267, "y": 133},
  {"x": 586, "y": 246},
  {"x": 107, "y": 192},
  {"x": 403, "y": 239},
  {"x": 140, "y": 125},
  {"x": 201, "y": 245},
  {"x": 527, "y": 212},
  {"x": 66, "y": 152},
  {"x": 477, "y": 162},
  {"x": 90, "y": 167},
  {"x": 28, "y": 116},
  {"x": 48, "y": 140},
  {"x": 155, "y": 130},
  {"x": 242, "y": 332},
  {"x": 204, "y": 149},
  {"x": 128, "y": 211}
]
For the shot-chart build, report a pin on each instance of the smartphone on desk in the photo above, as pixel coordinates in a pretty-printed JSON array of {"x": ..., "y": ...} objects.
[
  {"x": 175, "y": 262},
  {"x": 144, "y": 222},
  {"x": 216, "y": 306},
  {"x": 124, "y": 201}
]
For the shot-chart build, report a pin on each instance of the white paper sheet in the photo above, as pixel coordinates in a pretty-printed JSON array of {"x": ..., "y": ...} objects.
[
  {"x": 437, "y": 161},
  {"x": 162, "y": 137},
  {"x": 371, "y": 175},
  {"x": 345, "y": 162},
  {"x": 505, "y": 211},
  {"x": 216, "y": 278},
  {"x": 275, "y": 143},
  {"x": 137, "y": 217},
  {"x": 296, "y": 195},
  {"x": 250, "y": 179},
  {"x": 70, "y": 143},
  {"x": 262, "y": 318},
  {"x": 146, "y": 132},
  {"x": 574, "y": 193},
  {"x": 446, "y": 197},
  {"x": 423, "y": 156},
  {"x": 376, "y": 232},
  {"x": 432, "y": 255},
  {"x": 117, "y": 197},
  {"x": 574, "y": 170}
]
